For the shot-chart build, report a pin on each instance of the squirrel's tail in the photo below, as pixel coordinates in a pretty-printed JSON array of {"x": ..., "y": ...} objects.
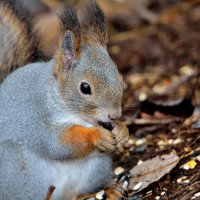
[{"x": 18, "y": 44}]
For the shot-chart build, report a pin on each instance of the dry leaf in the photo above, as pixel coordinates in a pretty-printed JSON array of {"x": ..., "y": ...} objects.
[{"x": 151, "y": 170}]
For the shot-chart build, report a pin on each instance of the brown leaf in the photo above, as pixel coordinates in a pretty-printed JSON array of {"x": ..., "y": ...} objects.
[{"x": 150, "y": 171}]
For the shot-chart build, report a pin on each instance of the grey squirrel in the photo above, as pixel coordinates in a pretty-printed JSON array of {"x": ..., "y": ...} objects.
[{"x": 50, "y": 115}]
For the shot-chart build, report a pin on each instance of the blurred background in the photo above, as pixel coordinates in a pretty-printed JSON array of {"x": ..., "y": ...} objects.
[{"x": 142, "y": 33}]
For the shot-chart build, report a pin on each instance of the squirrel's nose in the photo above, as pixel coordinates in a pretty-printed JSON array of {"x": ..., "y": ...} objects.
[{"x": 115, "y": 114}]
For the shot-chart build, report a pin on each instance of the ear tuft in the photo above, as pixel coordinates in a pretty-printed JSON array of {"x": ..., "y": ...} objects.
[
  {"x": 70, "y": 29},
  {"x": 94, "y": 25},
  {"x": 69, "y": 42}
]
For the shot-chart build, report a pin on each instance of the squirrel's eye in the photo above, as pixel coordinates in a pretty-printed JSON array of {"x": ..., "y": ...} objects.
[{"x": 85, "y": 88}]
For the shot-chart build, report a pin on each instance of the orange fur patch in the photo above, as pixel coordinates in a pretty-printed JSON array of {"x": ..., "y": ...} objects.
[{"x": 81, "y": 139}]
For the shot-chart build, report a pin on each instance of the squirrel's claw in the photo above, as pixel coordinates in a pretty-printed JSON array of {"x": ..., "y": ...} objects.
[
  {"x": 120, "y": 132},
  {"x": 106, "y": 142}
]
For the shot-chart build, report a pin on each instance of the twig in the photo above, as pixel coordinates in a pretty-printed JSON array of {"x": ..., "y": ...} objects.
[
  {"x": 50, "y": 192},
  {"x": 154, "y": 121}
]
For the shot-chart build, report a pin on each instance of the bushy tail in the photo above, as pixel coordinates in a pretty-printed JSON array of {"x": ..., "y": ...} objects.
[{"x": 18, "y": 45}]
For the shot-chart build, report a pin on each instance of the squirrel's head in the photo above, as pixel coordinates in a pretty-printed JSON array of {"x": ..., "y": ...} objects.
[{"x": 88, "y": 79}]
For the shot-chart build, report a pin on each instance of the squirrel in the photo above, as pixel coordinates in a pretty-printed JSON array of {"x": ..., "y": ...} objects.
[{"x": 54, "y": 114}]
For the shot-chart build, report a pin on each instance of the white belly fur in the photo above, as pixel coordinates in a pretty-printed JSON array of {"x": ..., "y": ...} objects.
[
  {"x": 73, "y": 177},
  {"x": 68, "y": 178}
]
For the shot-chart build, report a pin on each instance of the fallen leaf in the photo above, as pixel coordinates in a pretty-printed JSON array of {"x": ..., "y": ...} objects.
[{"x": 150, "y": 171}]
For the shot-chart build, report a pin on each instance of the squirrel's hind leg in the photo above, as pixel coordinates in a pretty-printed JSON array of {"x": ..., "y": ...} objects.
[
  {"x": 92, "y": 174},
  {"x": 82, "y": 176}
]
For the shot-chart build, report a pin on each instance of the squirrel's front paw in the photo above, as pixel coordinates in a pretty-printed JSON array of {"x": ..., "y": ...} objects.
[
  {"x": 106, "y": 142},
  {"x": 120, "y": 133}
]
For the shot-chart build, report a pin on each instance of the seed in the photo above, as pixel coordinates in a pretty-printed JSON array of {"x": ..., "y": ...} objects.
[
  {"x": 137, "y": 186},
  {"x": 118, "y": 171}
]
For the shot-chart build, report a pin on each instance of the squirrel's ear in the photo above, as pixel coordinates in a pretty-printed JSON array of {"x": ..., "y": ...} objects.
[
  {"x": 94, "y": 25},
  {"x": 69, "y": 41},
  {"x": 67, "y": 49}
]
